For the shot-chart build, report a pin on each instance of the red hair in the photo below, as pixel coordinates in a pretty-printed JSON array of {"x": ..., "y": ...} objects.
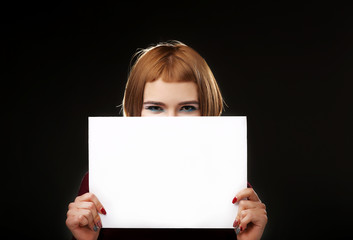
[{"x": 171, "y": 62}]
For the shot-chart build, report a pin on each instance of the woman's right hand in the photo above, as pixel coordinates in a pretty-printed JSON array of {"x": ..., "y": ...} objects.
[{"x": 82, "y": 217}]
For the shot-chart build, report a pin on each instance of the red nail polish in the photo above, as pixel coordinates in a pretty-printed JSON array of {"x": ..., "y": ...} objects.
[
  {"x": 234, "y": 200},
  {"x": 236, "y": 224},
  {"x": 103, "y": 211},
  {"x": 241, "y": 229},
  {"x": 99, "y": 223}
]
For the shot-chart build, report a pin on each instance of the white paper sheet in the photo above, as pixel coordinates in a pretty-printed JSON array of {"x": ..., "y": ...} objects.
[{"x": 167, "y": 172}]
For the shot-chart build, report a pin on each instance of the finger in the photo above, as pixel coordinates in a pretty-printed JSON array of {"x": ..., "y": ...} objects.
[
  {"x": 73, "y": 221},
  {"x": 236, "y": 223},
  {"x": 256, "y": 216},
  {"x": 90, "y": 197},
  {"x": 247, "y": 204},
  {"x": 92, "y": 208},
  {"x": 246, "y": 193},
  {"x": 245, "y": 220},
  {"x": 236, "y": 226},
  {"x": 76, "y": 219},
  {"x": 81, "y": 218},
  {"x": 86, "y": 218}
]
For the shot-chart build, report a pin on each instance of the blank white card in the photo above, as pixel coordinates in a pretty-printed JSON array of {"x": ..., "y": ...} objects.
[{"x": 167, "y": 172}]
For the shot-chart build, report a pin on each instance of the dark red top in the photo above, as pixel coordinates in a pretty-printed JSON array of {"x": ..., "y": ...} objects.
[{"x": 141, "y": 234}]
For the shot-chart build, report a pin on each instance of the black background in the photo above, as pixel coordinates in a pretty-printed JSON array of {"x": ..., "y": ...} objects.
[{"x": 288, "y": 67}]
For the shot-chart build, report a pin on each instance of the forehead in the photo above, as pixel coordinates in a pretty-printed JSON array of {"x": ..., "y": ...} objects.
[{"x": 161, "y": 90}]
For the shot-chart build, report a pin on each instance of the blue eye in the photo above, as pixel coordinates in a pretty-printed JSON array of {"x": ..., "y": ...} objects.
[
  {"x": 155, "y": 109},
  {"x": 187, "y": 108}
]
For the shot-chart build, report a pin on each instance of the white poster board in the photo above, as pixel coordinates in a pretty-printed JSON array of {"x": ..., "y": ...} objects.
[{"x": 167, "y": 172}]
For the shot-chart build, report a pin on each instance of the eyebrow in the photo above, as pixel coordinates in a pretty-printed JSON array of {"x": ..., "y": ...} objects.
[
  {"x": 162, "y": 104},
  {"x": 154, "y": 103},
  {"x": 188, "y": 102}
]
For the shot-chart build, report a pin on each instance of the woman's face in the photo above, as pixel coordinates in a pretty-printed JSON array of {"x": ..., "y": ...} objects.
[{"x": 170, "y": 99}]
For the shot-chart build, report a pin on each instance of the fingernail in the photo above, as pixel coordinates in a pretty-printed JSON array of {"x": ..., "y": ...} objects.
[
  {"x": 95, "y": 228},
  {"x": 103, "y": 211},
  {"x": 237, "y": 231},
  {"x": 99, "y": 224},
  {"x": 241, "y": 229},
  {"x": 236, "y": 223},
  {"x": 234, "y": 200}
]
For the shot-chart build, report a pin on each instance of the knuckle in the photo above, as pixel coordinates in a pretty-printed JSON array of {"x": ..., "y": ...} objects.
[
  {"x": 266, "y": 218},
  {"x": 242, "y": 213},
  {"x": 69, "y": 213},
  {"x": 263, "y": 206},
  {"x": 86, "y": 213},
  {"x": 71, "y": 205},
  {"x": 90, "y": 195},
  {"x": 91, "y": 206},
  {"x": 81, "y": 218},
  {"x": 68, "y": 222},
  {"x": 250, "y": 191}
]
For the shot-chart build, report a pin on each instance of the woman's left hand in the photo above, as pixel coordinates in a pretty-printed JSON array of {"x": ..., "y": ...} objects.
[{"x": 252, "y": 216}]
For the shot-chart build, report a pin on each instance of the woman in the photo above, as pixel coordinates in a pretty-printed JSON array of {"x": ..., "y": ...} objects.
[{"x": 169, "y": 79}]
